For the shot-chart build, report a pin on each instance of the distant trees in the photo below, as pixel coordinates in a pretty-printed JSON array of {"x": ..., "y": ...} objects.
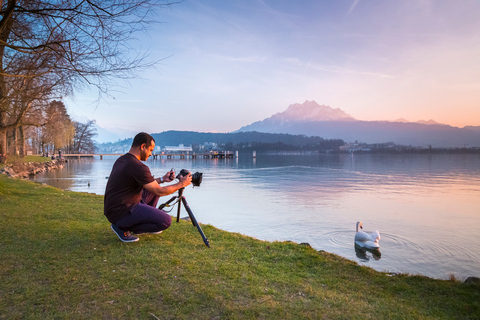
[
  {"x": 48, "y": 48},
  {"x": 296, "y": 145},
  {"x": 239, "y": 141},
  {"x": 249, "y": 141},
  {"x": 83, "y": 141},
  {"x": 58, "y": 130},
  {"x": 53, "y": 129}
]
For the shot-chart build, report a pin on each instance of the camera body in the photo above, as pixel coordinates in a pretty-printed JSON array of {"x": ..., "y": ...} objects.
[{"x": 196, "y": 177}]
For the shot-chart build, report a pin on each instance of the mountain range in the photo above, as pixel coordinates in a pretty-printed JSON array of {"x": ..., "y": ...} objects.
[
  {"x": 312, "y": 119},
  {"x": 112, "y": 134}
]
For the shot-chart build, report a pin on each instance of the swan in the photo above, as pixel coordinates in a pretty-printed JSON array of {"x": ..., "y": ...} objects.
[{"x": 367, "y": 240}]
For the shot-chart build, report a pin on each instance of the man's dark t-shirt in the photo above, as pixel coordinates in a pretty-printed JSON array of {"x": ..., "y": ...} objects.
[{"x": 125, "y": 186}]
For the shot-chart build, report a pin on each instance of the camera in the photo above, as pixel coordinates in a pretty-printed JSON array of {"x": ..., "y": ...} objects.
[{"x": 196, "y": 177}]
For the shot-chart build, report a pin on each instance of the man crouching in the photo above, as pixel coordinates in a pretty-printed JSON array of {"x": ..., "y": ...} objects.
[{"x": 132, "y": 193}]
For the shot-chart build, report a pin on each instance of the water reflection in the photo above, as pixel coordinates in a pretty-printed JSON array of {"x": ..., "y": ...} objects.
[{"x": 365, "y": 254}]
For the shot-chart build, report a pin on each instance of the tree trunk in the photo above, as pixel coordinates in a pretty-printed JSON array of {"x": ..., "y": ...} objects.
[
  {"x": 5, "y": 28},
  {"x": 3, "y": 142},
  {"x": 14, "y": 149},
  {"x": 21, "y": 141}
]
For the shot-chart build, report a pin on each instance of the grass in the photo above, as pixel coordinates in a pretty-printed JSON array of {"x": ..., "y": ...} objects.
[
  {"x": 25, "y": 159},
  {"x": 60, "y": 260}
]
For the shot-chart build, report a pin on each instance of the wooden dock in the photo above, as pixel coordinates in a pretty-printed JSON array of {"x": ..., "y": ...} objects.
[{"x": 211, "y": 155}]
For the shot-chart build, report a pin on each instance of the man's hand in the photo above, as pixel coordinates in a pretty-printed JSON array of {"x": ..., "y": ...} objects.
[
  {"x": 155, "y": 188},
  {"x": 185, "y": 180},
  {"x": 169, "y": 176}
]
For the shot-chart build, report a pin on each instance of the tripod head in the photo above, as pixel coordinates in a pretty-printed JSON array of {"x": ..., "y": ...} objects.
[{"x": 180, "y": 192}]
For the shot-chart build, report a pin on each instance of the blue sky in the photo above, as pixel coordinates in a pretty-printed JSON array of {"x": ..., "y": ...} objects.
[{"x": 225, "y": 64}]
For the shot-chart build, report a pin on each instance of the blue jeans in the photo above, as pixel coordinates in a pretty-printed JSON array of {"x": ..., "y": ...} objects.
[{"x": 145, "y": 217}]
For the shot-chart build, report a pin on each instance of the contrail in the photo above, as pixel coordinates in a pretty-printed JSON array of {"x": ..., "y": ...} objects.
[{"x": 352, "y": 7}]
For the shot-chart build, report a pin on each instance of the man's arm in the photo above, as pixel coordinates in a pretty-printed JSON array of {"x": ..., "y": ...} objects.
[{"x": 154, "y": 188}]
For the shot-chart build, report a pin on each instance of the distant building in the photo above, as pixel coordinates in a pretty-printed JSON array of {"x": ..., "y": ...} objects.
[
  {"x": 177, "y": 149},
  {"x": 210, "y": 146}
]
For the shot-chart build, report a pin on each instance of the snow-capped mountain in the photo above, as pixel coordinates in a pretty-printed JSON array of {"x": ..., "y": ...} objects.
[
  {"x": 297, "y": 113},
  {"x": 311, "y": 111},
  {"x": 312, "y": 119}
]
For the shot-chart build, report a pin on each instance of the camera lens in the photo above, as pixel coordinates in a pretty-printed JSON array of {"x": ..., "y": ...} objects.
[{"x": 197, "y": 179}]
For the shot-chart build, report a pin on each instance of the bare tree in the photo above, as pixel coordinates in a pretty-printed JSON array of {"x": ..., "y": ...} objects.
[
  {"x": 83, "y": 142},
  {"x": 68, "y": 44},
  {"x": 28, "y": 97}
]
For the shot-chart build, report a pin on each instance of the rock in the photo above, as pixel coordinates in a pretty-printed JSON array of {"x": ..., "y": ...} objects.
[
  {"x": 473, "y": 280},
  {"x": 24, "y": 170}
]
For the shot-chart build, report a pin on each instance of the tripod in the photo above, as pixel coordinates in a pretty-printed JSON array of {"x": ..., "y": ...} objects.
[{"x": 181, "y": 199}]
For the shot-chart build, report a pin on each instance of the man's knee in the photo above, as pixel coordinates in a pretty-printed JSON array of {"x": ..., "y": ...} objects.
[
  {"x": 162, "y": 220},
  {"x": 168, "y": 220}
]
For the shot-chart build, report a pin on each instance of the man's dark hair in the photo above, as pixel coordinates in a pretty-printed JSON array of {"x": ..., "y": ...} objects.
[{"x": 142, "y": 138}]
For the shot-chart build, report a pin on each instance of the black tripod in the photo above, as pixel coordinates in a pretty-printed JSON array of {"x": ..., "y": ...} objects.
[{"x": 181, "y": 199}]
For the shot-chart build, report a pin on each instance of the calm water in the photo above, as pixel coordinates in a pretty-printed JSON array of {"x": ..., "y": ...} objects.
[{"x": 426, "y": 207}]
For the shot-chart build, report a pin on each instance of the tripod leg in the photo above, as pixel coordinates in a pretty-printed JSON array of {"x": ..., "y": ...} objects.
[
  {"x": 189, "y": 211},
  {"x": 194, "y": 221},
  {"x": 178, "y": 209},
  {"x": 180, "y": 196},
  {"x": 166, "y": 203}
]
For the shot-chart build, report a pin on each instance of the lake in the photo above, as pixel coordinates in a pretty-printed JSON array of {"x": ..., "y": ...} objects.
[{"x": 426, "y": 207}]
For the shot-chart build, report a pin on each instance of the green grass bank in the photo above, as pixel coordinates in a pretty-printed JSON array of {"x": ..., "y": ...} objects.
[
  {"x": 60, "y": 260},
  {"x": 25, "y": 159}
]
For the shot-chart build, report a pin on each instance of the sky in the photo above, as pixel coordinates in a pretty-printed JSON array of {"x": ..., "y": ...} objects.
[{"x": 226, "y": 64}]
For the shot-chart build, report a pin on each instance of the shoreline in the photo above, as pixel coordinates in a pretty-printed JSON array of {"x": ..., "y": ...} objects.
[
  {"x": 68, "y": 263},
  {"x": 55, "y": 164},
  {"x": 28, "y": 169}
]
